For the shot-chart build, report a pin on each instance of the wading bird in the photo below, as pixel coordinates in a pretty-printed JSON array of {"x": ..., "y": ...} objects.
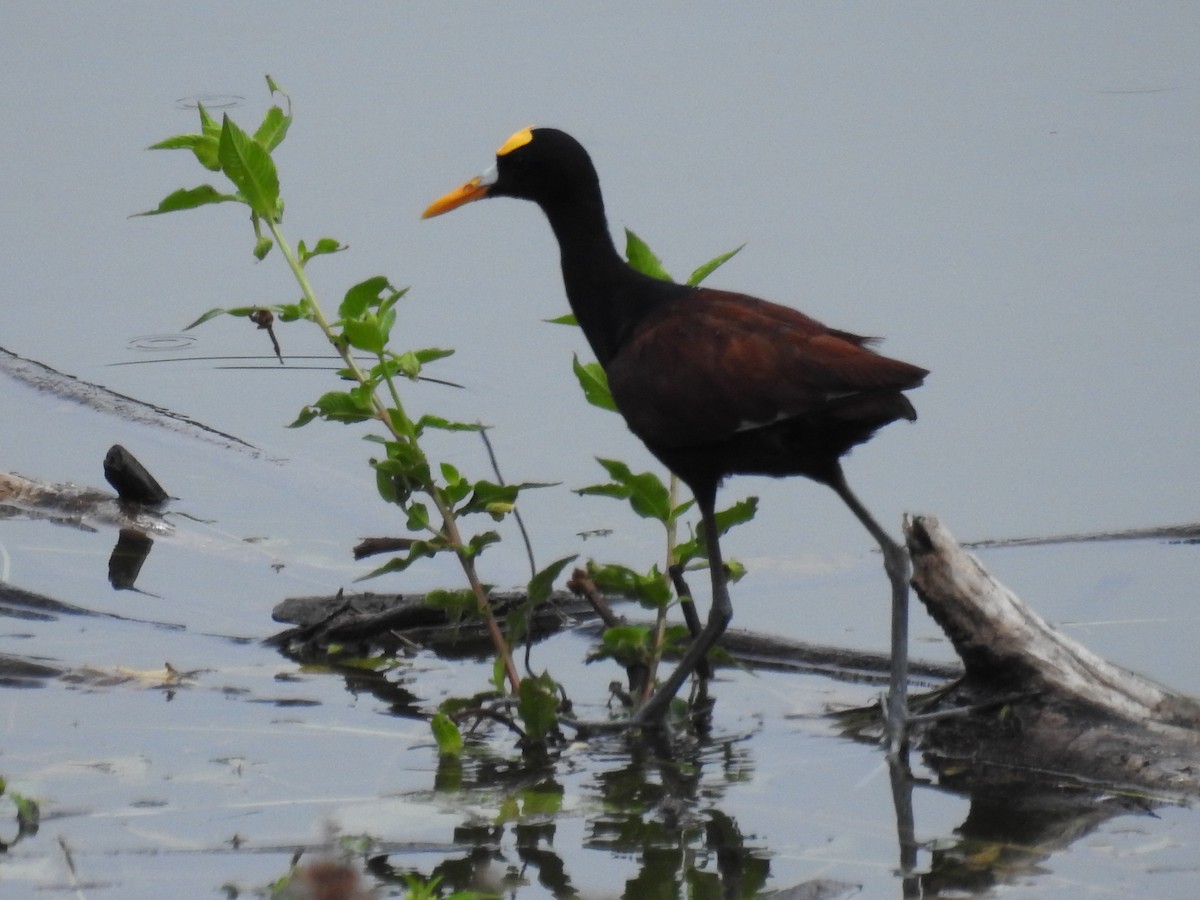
[{"x": 714, "y": 383}]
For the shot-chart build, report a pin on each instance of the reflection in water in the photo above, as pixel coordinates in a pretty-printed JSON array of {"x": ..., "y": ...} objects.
[
  {"x": 1017, "y": 820},
  {"x": 901, "y": 779},
  {"x": 125, "y": 563},
  {"x": 661, "y": 804},
  {"x": 657, "y": 802},
  {"x": 654, "y": 808},
  {"x": 1012, "y": 829}
]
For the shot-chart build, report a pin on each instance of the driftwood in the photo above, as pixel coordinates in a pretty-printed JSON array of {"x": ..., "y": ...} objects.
[
  {"x": 136, "y": 505},
  {"x": 136, "y": 510},
  {"x": 390, "y": 621},
  {"x": 1036, "y": 700},
  {"x": 1031, "y": 705}
]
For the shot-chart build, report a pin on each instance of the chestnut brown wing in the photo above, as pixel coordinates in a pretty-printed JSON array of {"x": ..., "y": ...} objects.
[{"x": 712, "y": 363}]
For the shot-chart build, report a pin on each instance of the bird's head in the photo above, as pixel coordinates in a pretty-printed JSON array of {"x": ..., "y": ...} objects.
[{"x": 544, "y": 165}]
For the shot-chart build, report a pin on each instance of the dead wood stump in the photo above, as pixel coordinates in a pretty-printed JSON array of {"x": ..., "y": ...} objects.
[{"x": 1043, "y": 702}]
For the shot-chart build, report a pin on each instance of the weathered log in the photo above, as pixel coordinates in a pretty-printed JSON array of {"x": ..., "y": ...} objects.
[
  {"x": 1042, "y": 701},
  {"x": 388, "y": 620},
  {"x": 136, "y": 505}
]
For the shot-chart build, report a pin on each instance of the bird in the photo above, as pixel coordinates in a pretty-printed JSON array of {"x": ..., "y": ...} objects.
[{"x": 714, "y": 383}]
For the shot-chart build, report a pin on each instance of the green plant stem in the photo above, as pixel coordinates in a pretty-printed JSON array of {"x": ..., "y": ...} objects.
[
  {"x": 449, "y": 523},
  {"x": 660, "y": 637},
  {"x": 660, "y": 621}
]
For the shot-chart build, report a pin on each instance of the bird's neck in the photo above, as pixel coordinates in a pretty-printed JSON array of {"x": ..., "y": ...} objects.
[{"x": 599, "y": 283}]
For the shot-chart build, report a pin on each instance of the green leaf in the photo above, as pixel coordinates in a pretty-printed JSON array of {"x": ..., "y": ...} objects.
[
  {"x": 208, "y": 150},
  {"x": 627, "y": 644},
  {"x": 650, "y": 590},
  {"x": 446, "y": 425},
  {"x": 208, "y": 125},
  {"x": 445, "y": 732},
  {"x": 566, "y": 319},
  {"x": 456, "y": 487},
  {"x": 486, "y": 492},
  {"x": 681, "y": 509},
  {"x": 734, "y": 570},
  {"x": 595, "y": 384},
  {"x": 178, "y": 142},
  {"x": 418, "y": 551},
  {"x": 541, "y": 584},
  {"x": 362, "y": 297},
  {"x": 456, "y": 605},
  {"x": 189, "y": 198},
  {"x": 643, "y": 259},
  {"x": 306, "y": 415},
  {"x": 391, "y": 480},
  {"x": 402, "y": 425},
  {"x": 344, "y": 406},
  {"x": 409, "y": 364},
  {"x": 387, "y": 318},
  {"x": 488, "y": 496},
  {"x": 499, "y": 674},
  {"x": 479, "y": 542},
  {"x": 741, "y": 512},
  {"x": 394, "y": 295},
  {"x": 250, "y": 168},
  {"x": 615, "y": 491},
  {"x": 211, "y": 314},
  {"x": 291, "y": 312},
  {"x": 418, "y": 517},
  {"x": 430, "y": 354},
  {"x": 365, "y": 333},
  {"x": 322, "y": 247},
  {"x": 538, "y": 705},
  {"x": 408, "y": 455},
  {"x": 636, "y": 637},
  {"x": 712, "y": 265},
  {"x": 274, "y": 129},
  {"x": 203, "y": 146},
  {"x": 647, "y": 494}
]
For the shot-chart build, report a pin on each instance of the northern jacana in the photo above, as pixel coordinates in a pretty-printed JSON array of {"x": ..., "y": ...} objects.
[{"x": 715, "y": 383}]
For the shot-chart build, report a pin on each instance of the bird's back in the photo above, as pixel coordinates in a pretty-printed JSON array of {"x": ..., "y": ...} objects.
[{"x": 760, "y": 386}]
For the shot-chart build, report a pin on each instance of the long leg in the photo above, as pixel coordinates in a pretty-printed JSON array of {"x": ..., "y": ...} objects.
[
  {"x": 690, "y": 617},
  {"x": 899, "y": 571},
  {"x": 719, "y": 615}
]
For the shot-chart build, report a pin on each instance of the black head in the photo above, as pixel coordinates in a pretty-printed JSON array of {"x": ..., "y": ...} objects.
[{"x": 544, "y": 165}]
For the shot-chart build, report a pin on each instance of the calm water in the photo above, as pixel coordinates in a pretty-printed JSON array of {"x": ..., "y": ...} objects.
[{"x": 1007, "y": 194}]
